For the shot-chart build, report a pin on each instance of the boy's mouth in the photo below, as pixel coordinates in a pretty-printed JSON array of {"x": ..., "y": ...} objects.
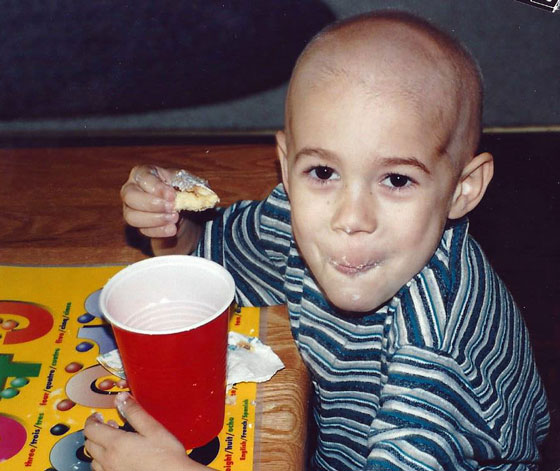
[{"x": 351, "y": 268}]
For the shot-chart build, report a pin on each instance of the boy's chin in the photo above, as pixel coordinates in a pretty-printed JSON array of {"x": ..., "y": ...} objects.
[{"x": 354, "y": 304}]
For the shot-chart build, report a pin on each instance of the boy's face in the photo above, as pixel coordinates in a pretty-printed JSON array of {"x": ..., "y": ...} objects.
[{"x": 369, "y": 193}]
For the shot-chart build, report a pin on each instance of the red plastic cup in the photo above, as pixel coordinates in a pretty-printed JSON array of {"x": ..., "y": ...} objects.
[{"x": 170, "y": 319}]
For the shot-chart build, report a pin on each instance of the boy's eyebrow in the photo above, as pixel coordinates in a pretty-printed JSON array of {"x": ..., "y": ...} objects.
[
  {"x": 413, "y": 161},
  {"x": 385, "y": 161},
  {"x": 317, "y": 152}
]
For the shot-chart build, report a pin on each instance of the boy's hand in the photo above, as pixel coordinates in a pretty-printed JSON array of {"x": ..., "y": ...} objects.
[
  {"x": 149, "y": 202},
  {"x": 150, "y": 448},
  {"x": 149, "y": 205}
]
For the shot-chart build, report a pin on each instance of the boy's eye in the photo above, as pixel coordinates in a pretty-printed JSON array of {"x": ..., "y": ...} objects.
[
  {"x": 396, "y": 180},
  {"x": 322, "y": 173}
]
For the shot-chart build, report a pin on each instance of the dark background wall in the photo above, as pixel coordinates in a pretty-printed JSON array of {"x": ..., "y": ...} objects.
[{"x": 200, "y": 65}]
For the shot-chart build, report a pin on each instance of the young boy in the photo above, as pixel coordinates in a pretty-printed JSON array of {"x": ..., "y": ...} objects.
[{"x": 418, "y": 355}]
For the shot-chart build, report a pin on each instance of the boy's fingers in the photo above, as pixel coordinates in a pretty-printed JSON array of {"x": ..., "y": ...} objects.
[
  {"x": 136, "y": 416},
  {"x": 152, "y": 180},
  {"x": 99, "y": 433},
  {"x": 135, "y": 198},
  {"x": 95, "y": 466},
  {"x": 160, "y": 232},
  {"x": 93, "y": 449},
  {"x": 144, "y": 219}
]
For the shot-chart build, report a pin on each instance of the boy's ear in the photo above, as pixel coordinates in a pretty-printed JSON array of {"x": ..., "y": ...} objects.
[
  {"x": 472, "y": 185},
  {"x": 282, "y": 152}
]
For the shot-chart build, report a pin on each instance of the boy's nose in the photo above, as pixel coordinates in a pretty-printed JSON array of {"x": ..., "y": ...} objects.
[{"x": 354, "y": 212}]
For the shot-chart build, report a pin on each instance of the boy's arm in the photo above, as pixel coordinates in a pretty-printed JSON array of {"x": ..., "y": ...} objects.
[
  {"x": 251, "y": 239},
  {"x": 429, "y": 416},
  {"x": 235, "y": 238},
  {"x": 150, "y": 448}
]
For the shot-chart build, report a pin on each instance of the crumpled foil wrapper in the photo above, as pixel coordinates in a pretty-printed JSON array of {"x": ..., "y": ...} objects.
[
  {"x": 248, "y": 360},
  {"x": 185, "y": 181}
]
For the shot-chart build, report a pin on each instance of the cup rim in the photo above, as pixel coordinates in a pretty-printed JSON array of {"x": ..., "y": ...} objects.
[{"x": 167, "y": 260}]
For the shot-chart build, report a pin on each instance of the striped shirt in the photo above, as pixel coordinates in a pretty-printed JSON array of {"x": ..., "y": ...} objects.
[{"x": 441, "y": 377}]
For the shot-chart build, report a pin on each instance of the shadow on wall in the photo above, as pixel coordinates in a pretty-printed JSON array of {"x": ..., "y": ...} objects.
[{"x": 67, "y": 58}]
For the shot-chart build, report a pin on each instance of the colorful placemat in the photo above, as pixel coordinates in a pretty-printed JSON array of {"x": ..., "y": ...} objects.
[{"x": 51, "y": 331}]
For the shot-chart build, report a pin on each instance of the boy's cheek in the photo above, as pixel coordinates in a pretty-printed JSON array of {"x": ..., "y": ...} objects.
[
  {"x": 309, "y": 203},
  {"x": 310, "y": 221}
]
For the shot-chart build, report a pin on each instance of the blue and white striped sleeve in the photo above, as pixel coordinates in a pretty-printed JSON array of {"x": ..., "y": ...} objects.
[
  {"x": 251, "y": 240},
  {"x": 429, "y": 418}
]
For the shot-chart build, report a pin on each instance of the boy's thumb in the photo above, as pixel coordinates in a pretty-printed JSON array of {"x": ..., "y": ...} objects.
[{"x": 136, "y": 416}]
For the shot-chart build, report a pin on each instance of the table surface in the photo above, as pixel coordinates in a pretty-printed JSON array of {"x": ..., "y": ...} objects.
[{"x": 61, "y": 206}]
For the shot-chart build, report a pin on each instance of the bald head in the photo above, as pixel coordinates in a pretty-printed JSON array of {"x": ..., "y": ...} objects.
[{"x": 394, "y": 53}]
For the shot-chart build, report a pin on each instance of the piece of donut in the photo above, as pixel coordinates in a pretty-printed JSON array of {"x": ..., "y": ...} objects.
[{"x": 193, "y": 193}]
